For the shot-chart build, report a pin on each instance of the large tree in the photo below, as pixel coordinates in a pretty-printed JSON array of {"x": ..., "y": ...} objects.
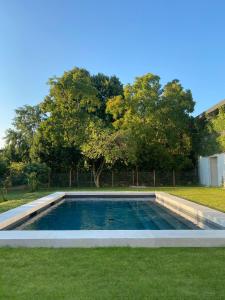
[
  {"x": 68, "y": 108},
  {"x": 156, "y": 121},
  {"x": 75, "y": 101}
]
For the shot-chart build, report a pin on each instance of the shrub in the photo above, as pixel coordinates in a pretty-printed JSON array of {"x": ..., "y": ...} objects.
[
  {"x": 6, "y": 184},
  {"x": 40, "y": 169},
  {"x": 17, "y": 173},
  {"x": 33, "y": 182}
]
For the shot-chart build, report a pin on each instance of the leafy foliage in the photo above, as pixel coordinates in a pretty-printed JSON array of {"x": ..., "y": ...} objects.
[
  {"x": 156, "y": 121},
  {"x": 20, "y": 139},
  {"x": 212, "y": 133},
  {"x": 93, "y": 121},
  {"x": 107, "y": 87},
  {"x": 218, "y": 125}
]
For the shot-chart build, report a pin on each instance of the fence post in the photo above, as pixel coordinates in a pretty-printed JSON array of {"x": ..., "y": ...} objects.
[
  {"x": 49, "y": 179},
  {"x": 77, "y": 177},
  {"x": 112, "y": 179},
  {"x": 91, "y": 179},
  {"x": 174, "y": 178},
  {"x": 137, "y": 182},
  {"x": 154, "y": 178},
  {"x": 133, "y": 178},
  {"x": 70, "y": 177}
]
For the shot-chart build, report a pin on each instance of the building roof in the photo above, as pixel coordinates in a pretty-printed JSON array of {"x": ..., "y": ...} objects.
[{"x": 212, "y": 110}]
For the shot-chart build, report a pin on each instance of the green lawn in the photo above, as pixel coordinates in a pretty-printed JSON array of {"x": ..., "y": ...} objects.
[
  {"x": 212, "y": 197},
  {"x": 112, "y": 273}
]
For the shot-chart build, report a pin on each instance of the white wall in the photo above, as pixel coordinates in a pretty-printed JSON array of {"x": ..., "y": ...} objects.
[
  {"x": 221, "y": 168},
  {"x": 204, "y": 169}
]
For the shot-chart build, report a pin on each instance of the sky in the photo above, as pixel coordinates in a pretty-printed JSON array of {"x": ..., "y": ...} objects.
[{"x": 178, "y": 39}]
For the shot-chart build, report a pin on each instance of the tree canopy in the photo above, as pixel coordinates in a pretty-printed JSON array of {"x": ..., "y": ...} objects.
[
  {"x": 156, "y": 121},
  {"x": 94, "y": 121}
]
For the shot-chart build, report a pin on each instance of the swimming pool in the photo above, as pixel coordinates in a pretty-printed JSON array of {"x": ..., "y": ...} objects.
[
  {"x": 108, "y": 214},
  {"x": 112, "y": 219}
]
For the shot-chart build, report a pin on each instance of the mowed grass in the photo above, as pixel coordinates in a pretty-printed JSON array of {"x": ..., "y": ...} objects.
[
  {"x": 211, "y": 197},
  {"x": 16, "y": 198},
  {"x": 112, "y": 273}
]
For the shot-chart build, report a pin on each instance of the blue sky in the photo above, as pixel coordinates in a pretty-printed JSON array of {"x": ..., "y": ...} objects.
[{"x": 173, "y": 39}]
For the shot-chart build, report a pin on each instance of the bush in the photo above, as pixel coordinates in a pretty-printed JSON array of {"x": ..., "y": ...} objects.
[
  {"x": 40, "y": 169},
  {"x": 33, "y": 182},
  {"x": 32, "y": 174},
  {"x": 3, "y": 169},
  {"x": 6, "y": 184},
  {"x": 17, "y": 173}
]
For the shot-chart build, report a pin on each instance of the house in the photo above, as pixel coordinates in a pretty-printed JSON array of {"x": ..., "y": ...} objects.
[{"x": 212, "y": 168}]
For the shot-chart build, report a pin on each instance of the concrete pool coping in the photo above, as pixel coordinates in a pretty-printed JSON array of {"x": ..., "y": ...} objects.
[{"x": 198, "y": 214}]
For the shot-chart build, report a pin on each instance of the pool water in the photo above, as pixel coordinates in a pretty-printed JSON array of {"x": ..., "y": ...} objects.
[{"x": 73, "y": 214}]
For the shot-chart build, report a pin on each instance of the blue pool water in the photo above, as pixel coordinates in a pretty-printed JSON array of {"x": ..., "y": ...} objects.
[{"x": 109, "y": 214}]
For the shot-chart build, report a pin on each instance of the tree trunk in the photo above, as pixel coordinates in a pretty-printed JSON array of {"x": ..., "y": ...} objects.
[
  {"x": 97, "y": 173},
  {"x": 112, "y": 178},
  {"x": 174, "y": 178},
  {"x": 137, "y": 179},
  {"x": 70, "y": 177},
  {"x": 97, "y": 180},
  {"x": 49, "y": 179},
  {"x": 133, "y": 177},
  {"x": 77, "y": 177}
]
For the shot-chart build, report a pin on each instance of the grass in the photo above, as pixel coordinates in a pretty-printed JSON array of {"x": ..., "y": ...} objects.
[
  {"x": 112, "y": 273},
  {"x": 211, "y": 197}
]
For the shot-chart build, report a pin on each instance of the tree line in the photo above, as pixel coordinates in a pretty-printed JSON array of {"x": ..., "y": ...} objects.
[{"x": 95, "y": 122}]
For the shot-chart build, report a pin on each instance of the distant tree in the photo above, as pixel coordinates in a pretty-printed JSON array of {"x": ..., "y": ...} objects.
[
  {"x": 27, "y": 120},
  {"x": 17, "y": 146},
  {"x": 211, "y": 132},
  {"x": 218, "y": 125},
  {"x": 19, "y": 139}
]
